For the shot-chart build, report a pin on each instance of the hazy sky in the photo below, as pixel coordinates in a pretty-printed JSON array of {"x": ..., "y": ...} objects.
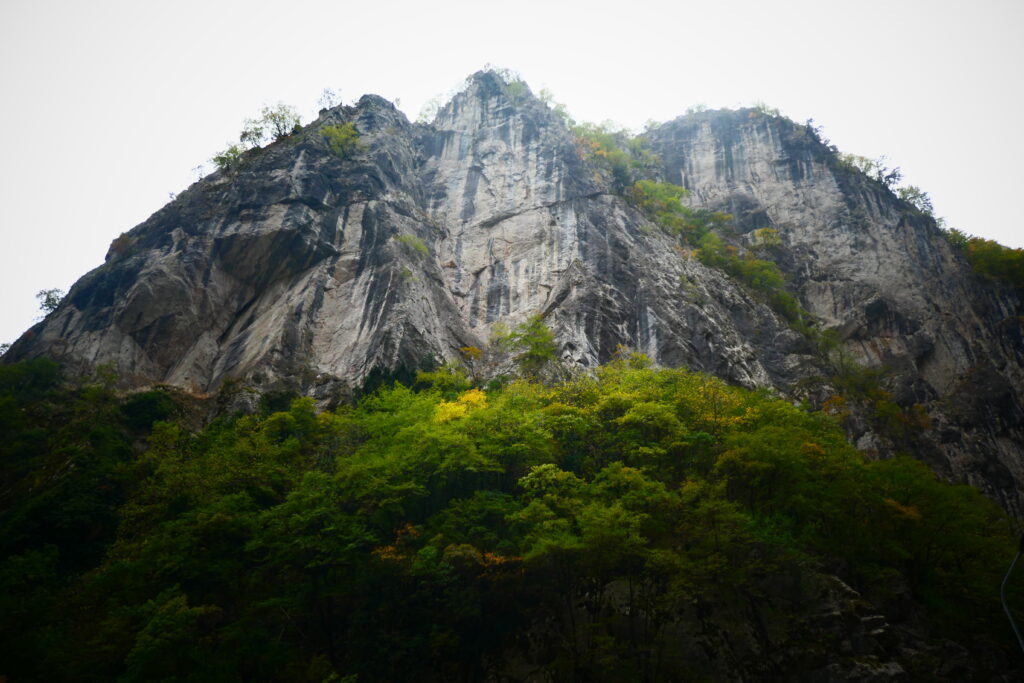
[{"x": 109, "y": 105}]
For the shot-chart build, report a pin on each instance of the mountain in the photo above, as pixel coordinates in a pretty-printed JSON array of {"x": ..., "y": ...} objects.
[
  {"x": 304, "y": 271},
  {"x": 603, "y": 519}
]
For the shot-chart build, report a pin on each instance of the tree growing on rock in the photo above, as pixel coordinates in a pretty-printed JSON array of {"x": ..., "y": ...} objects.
[
  {"x": 343, "y": 140},
  {"x": 229, "y": 158},
  {"x": 49, "y": 299},
  {"x": 275, "y": 123},
  {"x": 535, "y": 344},
  {"x": 917, "y": 198}
]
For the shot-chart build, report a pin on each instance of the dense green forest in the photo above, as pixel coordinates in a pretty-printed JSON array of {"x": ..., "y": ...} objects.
[{"x": 426, "y": 532}]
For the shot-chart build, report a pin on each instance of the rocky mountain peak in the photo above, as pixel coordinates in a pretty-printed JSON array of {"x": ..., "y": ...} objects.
[
  {"x": 309, "y": 267},
  {"x": 485, "y": 97}
]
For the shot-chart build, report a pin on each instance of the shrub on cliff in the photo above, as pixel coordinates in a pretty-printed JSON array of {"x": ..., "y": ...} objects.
[
  {"x": 229, "y": 159},
  {"x": 49, "y": 299},
  {"x": 418, "y": 246},
  {"x": 762, "y": 276},
  {"x": 989, "y": 258},
  {"x": 662, "y": 203},
  {"x": 274, "y": 123},
  {"x": 627, "y": 158},
  {"x": 917, "y": 198},
  {"x": 342, "y": 139}
]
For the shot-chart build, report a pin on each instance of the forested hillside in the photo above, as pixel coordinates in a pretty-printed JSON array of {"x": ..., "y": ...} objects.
[
  {"x": 320, "y": 256},
  {"x": 502, "y": 396},
  {"x": 639, "y": 524}
]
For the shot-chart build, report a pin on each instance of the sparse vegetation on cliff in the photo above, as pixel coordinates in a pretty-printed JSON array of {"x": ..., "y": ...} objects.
[
  {"x": 662, "y": 203},
  {"x": 876, "y": 169},
  {"x": 626, "y": 157},
  {"x": 762, "y": 276},
  {"x": 989, "y": 258},
  {"x": 49, "y": 299},
  {"x": 342, "y": 139},
  {"x": 414, "y": 243},
  {"x": 274, "y": 123},
  {"x": 229, "y": 159},
  {"x": 917, "y": 198}
]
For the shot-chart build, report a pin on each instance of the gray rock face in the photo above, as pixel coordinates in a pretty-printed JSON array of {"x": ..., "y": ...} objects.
[
  {"x": 307, "y": 271},
  {"x": 882, "y": 276}
]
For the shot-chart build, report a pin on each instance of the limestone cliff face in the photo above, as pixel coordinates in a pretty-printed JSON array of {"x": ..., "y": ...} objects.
[
  {"x": 880, "y": 274},
  {"x": 302, "y": 268},
  {"x": 306, "y": 271}
]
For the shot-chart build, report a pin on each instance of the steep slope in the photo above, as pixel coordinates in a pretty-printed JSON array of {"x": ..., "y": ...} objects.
[
  {"x": 880, "y": 274},
  {"x": 258, "y": 272},
  {"x": 307, "y": 271},
  {"x": 288, "y": 270},
  {"x": 528, "y": 226}
]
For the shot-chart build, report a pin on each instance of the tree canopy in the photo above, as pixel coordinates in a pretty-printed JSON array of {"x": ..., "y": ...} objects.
[{"x": 422, "y": 534}]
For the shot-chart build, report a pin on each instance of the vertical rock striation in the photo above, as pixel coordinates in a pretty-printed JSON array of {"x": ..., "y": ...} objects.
[
  {"x": 307, "y": 271},
  {"x": 878, "y": 273}
]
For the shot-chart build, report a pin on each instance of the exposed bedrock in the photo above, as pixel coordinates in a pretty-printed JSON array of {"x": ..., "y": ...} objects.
[{"x": 303, "y": 270}]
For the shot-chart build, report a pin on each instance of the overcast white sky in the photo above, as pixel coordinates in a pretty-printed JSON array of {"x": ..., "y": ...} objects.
[{"x": 109, "y": 104}]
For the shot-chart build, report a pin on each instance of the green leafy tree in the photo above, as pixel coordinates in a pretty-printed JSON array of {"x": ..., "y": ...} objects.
[
  {"x": 274, "y": 123},
  {"x": 917, "y": 198},
  {"x": 342, "y": 139},
  {"x": 662, "y": 203},
  {"x": 876, "y": 169},
  {"x": 429, "y": 110},
  {"x": 957, "y": 238},
  {"x": 49, "y": 299},
  {"x": 764, "y": 109},
  {"x": 763, "y": 276},
  {"x": 449, "y": 379},
  {"x": 516, "y": 91},
  {"x": 229, "y": 159},
  {"x": 855, "y": 162},
  {"x": 766, "y": 238},
  {"x": 278, "y": 121},
  {"x": 535, "y": 345},
  {"x": 995, "y": 261},
  {"x": 253, "y": 134},
  {"x": 426, "y": 533},
  {"x": 988, "y": 258},
  {"x": 612, "y": 148}
]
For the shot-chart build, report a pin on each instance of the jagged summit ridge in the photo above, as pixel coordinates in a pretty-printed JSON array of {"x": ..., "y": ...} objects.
[{"x": 301, "y": 269}]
